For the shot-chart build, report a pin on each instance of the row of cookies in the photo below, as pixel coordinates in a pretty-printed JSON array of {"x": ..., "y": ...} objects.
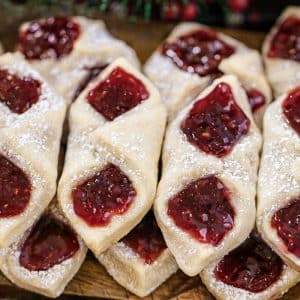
[
  {"x": 124, "y": 143},
  {"x": 266, "y": 266},
  {"x": 39, "y": 249},
  {"x": 253, "y": 270},
  {"x": 278, "y": 187}
]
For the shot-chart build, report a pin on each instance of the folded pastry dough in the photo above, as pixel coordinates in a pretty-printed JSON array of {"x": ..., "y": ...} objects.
[
  {"x": 46, "y": 258},
  {"x": 31, "y": 119},
  {"x": 91, "y": 48},
  {"x": 251, "y": 272},
  {"x": 205, "y": 186},
  {"x": 141, "y": 261},
  {"x": 180, "y": 77},
  {"x": 248, "y": 68},
  {"x": 110, "y": 174},
  {"x": 279, "y": 180},
  {"x": 283, "y": 70}
]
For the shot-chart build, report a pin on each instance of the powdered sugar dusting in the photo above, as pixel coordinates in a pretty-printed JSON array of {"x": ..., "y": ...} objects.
[
  {"x": 184, "y": 163},
  {"x": 31, "y": 140},
  {"x": 279, "y": 180},
  {"x": 94, "y": 46},
  {"x": 281, "y": 151},
  {"x": 50, "y": 282},
  {"x": 287, "y": 279}
]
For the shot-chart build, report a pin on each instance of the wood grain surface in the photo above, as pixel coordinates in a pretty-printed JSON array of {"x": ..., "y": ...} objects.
[{"x": 92, "y": 280}]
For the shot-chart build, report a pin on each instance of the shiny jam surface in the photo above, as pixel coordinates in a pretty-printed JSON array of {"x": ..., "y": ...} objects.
[
  {"x": 53, "y": 37},
  {"x": 253, "y": 266},
  {"x": 107, "y": 193},
  {"x": 199, "y": 52},
  {"x": 93, "y": 72},
  {"x": 15, "y": 189},
  {"x": 287, "y": 223},
  {"x": 256, "y": 99},
  {"x": 286, "y": 42},
  {"x": 203, "y": 210},
  {"x": 146, "y": 239},
  {"x": 50, "y": 242},
  {"x": 216, "y": 123},
  {"x": 117, "y": 94},
  {"x": 291, "y": 109},
  {"x": 17, "y": 93}
]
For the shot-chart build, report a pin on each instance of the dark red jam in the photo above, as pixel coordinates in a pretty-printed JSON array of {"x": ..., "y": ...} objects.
[
  {"x": 199, "y": 52},
  {"x": 53, "y": 37},
  {"x": 291, "y": 109},
  {"x": 93, "y": 72},
  {"x": 203, "y": 210},
  {"x": 18, "y": 93},
  {"x": 253, "y": 266},
  {"x": 216, "y": 123},
  {"x": 15, "y": 189},
  {"x": 256, "y": 99},
  {"x": 146, "y": 239},
  {"x": 286, "y": 42},
  {"x": 50, "y": 242},
  {"x": 117, "y": 94},
  {"x": 107, "y": 193},
  {"x": 287, "y": 223}
]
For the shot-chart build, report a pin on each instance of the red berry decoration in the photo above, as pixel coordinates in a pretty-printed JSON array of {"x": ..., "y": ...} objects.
[
  {"x": 291, "y": 109},
  {"x": 253, "y": 266},
  {"x": 50, "y": 242},
  {"x": 15, "y": 189},
  {"x": 117, "y": 94},
  {"x": 146, "y": 239},
  {"x": 216, "y": 123},
  {"x": 171, "y": 10},
  {"x": 18, "y": 93},
  {"x": 189, "y": 11},
  {"x": 287, "y": 223},
  {"x": 198, "y": 52},
  {"x": 286, "y": 42},
  {"x": 238, "y": 6},
  {"x": 107, "y": 193},
  {"x": 49, "y": 38},
  {"x": 203, "y": 210}
]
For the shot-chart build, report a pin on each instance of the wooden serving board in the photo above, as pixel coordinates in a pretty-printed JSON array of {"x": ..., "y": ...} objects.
[{"x": 92, "y": 280}]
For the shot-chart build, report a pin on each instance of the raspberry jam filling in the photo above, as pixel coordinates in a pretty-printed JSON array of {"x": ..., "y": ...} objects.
[
  {"x": 53, "y": 37},
  {"x": 256, "y": 99},
  {"x": 253, "y": 266},
  {"x": 15, "y": 189},
  {"x": 50, "y": 242},
  {"x": 216, "y": 123},
  {"x": 291, "y": 109},
  {"x": 203, "y": 210},
  {"x": 146, "y": 239},
  {"x": 117, "y": 94},
  {"x": 107, "y": 193},
  {"x": 93, "y": 72},
  {"x": 17, "y": 93},
  {"x": 199, "y": 52},
  {"x": 286, "y": 42},
  {"x": 287, "y": 223}
]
